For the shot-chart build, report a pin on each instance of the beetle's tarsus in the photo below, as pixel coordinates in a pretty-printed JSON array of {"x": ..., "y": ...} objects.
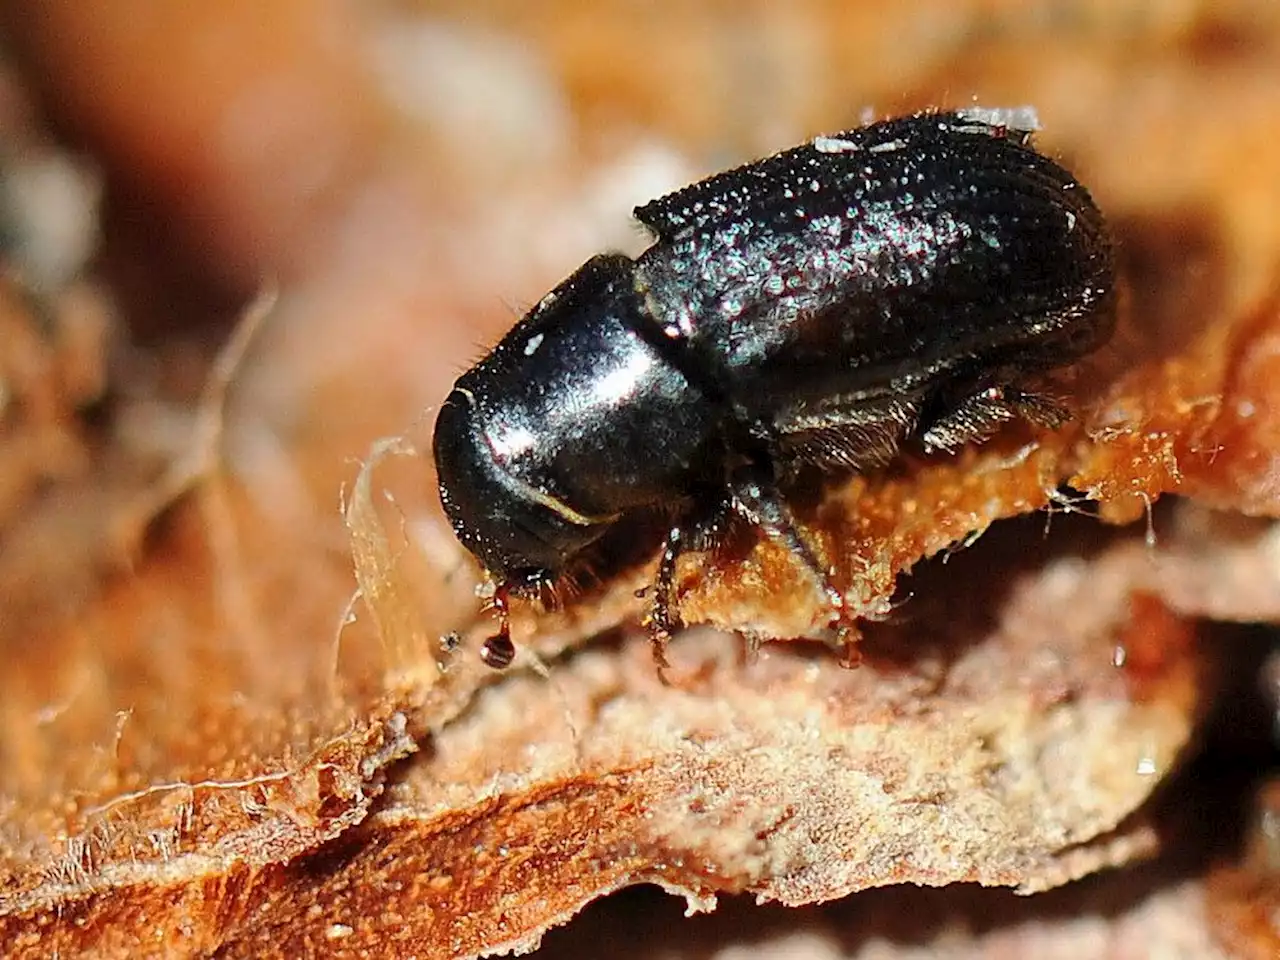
[{"x": 661, "y": 621}]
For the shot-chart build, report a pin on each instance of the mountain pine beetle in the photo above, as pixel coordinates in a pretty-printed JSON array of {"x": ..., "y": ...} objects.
[{"x": 819, "y": 307}]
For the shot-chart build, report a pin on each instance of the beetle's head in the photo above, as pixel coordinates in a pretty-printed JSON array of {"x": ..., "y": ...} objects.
[{"x": 519, "y": 531}]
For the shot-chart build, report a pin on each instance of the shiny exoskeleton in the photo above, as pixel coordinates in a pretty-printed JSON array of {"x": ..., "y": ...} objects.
[{"x": 821, "y": 306}]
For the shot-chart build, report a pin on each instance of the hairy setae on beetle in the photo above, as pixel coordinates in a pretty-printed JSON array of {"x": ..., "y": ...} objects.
[{"x": 818, "y": 307}]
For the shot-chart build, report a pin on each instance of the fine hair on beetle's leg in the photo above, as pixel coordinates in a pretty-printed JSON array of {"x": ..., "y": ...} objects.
[{"x": 577, "y": 581}]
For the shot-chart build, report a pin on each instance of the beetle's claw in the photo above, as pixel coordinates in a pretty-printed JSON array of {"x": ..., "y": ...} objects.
[{"x": 849, "y": 640}]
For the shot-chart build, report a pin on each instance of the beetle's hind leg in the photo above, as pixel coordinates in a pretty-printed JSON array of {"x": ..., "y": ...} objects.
[{"x": 981, "y": 412}]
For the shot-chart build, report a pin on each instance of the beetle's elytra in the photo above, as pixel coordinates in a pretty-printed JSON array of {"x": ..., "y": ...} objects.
[{"x": 821, "y": 306}]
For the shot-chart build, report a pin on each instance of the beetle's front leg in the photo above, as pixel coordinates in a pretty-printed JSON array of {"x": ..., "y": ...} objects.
[
  {"x": 704, "y": 530},
  {"x": 661, "y": 623}
]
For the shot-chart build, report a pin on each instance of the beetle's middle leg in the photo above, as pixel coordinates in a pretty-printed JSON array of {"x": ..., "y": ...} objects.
[{"x": 754, "y": 497}]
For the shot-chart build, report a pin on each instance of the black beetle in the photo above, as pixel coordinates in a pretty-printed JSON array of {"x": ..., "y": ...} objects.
[{"x": 819, "y": 307}]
